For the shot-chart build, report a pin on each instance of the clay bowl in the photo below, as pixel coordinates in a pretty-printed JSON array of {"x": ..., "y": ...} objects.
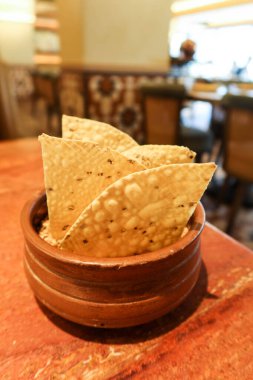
[{"x": 112, "y": 292}]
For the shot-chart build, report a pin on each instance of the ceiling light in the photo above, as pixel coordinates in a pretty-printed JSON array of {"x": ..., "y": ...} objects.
[{"x": 189, "y": 6}]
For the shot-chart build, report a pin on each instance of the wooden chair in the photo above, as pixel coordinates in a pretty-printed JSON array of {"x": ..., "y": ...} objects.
[
  {"x": 162, "y": 104},
  {"x": 46, "y": 91},
  {"x": 238, "y": 148}
]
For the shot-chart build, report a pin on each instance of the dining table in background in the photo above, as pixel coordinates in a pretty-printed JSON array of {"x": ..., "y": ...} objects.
[
  {"x": 209, "y": 336},
  {"x": 215, "y": 95}
]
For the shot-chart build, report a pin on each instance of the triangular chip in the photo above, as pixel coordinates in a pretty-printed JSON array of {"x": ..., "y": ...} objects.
[
  {"x": 76, "y": 172},
  {"x": 156, "y": 155},
  {"x": 141, "y": 212},
  {"x": 100, "y": 133}
]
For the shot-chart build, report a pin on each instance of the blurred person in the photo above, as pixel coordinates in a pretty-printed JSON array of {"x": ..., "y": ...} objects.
[
  {"x": 180, "y": 65},
  {"x": 186, "y": 55}
]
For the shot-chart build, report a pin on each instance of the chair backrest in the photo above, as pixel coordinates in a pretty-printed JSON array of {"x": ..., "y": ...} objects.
[
  {"x": 46, "y": 87},
  {"x": 238, "y": 138},
  {"x": 162, "y": 104}
]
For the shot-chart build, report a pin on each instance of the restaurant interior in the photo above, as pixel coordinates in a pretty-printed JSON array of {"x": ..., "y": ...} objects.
[{"x": 165, "y": 72}]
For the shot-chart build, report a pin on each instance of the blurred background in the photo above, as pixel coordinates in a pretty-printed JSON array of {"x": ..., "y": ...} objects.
[{"x": 166, "y": 72}]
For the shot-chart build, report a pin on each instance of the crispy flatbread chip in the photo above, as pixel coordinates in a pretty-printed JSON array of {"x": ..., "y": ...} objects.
[
  {"x": 156, "y": 155},
  {"x": 141, "y": 212},
  {"x": 100, "y": 133},
  {"x": 75, "y": 173}
]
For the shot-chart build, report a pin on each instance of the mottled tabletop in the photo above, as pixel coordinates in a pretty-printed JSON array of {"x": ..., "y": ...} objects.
[{"x": 209, "y": 336}]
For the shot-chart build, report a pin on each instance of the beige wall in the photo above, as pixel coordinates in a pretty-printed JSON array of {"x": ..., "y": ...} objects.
[
  {"x": 16, "y": 42},
  {"x": 16, "y": 38},
  {"x": 130, "y": 33},
  {"x": 115, "y": 33},
  {"x": 100, "y": 33}
]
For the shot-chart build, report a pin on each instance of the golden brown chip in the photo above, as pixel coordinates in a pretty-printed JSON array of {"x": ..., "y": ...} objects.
[
  {"x": 75, "y": 173},
  {"x": 156, "y": 155},
  {"x": 141, "y": 212},
  {"x": 100, "y": 133}
]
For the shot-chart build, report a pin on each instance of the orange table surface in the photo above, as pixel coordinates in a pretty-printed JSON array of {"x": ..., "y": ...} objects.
[{"x": 210, "y": 336}]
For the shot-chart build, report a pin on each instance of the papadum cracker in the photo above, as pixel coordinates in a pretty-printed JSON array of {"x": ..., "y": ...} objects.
[
  {"x": 75, "y": 173},
  {"x": 45, "y": 233},
  {"x": 98, "y": 132},
  {"x": 156, "y": 155},
  {"x": 141, "y": 212}
]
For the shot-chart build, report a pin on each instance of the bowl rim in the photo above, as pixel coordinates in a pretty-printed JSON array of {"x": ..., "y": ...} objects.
[{"x": 68, "y": 257}]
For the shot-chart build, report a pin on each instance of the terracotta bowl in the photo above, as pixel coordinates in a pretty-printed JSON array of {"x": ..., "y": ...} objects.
[{"x": 111, "y": 292}]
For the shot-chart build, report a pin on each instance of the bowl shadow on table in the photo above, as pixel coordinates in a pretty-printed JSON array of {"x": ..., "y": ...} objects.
[{"x": 139, "y": 333}]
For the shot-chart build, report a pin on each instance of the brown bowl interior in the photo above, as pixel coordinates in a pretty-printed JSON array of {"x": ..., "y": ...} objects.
[{"x": 110, "y": 292}]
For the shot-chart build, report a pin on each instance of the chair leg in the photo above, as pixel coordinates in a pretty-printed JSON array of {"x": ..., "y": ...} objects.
[
  {"x": 198, "y": 158},
  {"x": 223, "y": 190},
  {"x": 240, "y": 191},
  {"x": 216, "y": 153}
]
